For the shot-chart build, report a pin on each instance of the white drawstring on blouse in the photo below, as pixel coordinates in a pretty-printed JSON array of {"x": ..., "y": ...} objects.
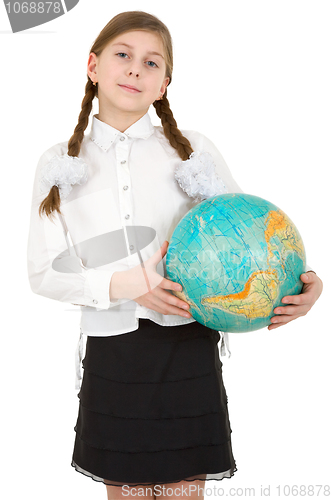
[
  {"x": 224, "y": 346},
  {"x": 78, "y": 361}
]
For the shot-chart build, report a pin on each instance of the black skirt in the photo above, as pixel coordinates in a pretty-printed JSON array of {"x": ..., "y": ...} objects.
[{"x": 153, "y": 407}]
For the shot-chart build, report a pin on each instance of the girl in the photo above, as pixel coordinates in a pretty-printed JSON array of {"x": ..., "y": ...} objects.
[{"x": 153, "y": 407}]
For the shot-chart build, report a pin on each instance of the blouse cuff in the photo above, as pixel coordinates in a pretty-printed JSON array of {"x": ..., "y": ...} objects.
[{"x": 97, "y": 287}]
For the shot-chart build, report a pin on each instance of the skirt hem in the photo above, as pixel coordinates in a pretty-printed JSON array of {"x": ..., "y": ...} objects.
[{"x": 228, "y": 474}]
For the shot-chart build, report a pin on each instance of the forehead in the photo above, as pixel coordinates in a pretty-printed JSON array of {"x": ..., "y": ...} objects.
[{"x": 149, "y": 41}]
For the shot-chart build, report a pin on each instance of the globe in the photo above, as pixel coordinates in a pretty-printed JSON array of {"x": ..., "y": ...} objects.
[{"x": 236, "y": 256}]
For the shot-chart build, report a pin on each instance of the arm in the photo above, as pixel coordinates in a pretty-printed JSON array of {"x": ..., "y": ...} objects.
[
  {"x": 54, "y": 269},
  {"x": 145, "y": 286}
]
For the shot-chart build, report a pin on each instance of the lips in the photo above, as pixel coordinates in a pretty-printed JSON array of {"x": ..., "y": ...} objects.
[{"x": 130, "y": 88}]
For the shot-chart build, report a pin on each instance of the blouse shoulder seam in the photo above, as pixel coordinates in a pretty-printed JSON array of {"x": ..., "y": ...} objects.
[
  {"x": 56, "y": 147},
  {"x": 61, "y": 147}
]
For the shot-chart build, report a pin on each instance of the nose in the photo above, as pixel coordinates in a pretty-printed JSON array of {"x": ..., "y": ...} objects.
[{"x": 134, "y": 68}]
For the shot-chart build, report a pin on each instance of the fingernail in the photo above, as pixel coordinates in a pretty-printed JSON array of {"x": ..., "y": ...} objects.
[{"x": 179, "y": 287}]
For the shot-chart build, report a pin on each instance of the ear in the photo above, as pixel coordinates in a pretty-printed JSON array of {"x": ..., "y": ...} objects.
[
  {"x": 164, "y": 85},
  {"x": 92, "y": 66}
]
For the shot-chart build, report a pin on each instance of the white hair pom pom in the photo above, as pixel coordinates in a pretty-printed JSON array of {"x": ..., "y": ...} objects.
[
  {"x": 198, "y": 178},
  {"x": 63, "y": 171}
]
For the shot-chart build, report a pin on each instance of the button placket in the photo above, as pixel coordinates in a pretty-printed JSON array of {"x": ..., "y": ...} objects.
[{"x": 124, "y": 181}]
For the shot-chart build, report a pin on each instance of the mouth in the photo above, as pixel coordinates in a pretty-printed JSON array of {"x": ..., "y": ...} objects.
[{"x": 130, "y": 88}]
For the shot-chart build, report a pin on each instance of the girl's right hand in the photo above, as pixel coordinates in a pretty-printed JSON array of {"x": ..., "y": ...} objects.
[{"x": 146, "y": 287}]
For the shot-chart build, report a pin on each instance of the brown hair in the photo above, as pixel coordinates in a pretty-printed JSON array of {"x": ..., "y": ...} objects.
[{"x": 122, "y": 23}]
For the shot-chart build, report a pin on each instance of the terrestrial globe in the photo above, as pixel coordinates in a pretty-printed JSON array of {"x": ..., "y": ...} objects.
[{"x": 236, "y": 256}]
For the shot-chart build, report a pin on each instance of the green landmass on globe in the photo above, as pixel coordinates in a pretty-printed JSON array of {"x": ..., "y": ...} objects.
[{"x": 236, "y": 256}]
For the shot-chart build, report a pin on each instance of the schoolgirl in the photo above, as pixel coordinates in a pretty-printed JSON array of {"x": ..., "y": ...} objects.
[{"x": 153, "y": 407}]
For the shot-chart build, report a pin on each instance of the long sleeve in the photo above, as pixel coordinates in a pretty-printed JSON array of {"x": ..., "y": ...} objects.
[{"x": 54, "y": 268}]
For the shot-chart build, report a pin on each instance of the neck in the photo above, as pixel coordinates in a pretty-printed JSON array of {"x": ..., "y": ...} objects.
[{"x": 119, "y": 120}]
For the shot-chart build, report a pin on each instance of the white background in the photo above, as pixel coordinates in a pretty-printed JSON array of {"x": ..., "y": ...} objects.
[{"x": 254, "y": 76}]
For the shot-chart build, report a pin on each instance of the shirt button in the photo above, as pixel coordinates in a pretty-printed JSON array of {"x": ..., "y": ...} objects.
[
  {"x": 125, "y": 188},
  {"x": 123, "y": 162},
  {"x": 95, "y": 301},
  {"x": 127, "y": 216},
  {"x": 122, "y": 138},
  {"x": 131, "y": 247}
]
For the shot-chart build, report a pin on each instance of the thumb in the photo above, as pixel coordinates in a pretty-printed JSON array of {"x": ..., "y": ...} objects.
[
  {"x": 306, "y": 277},
  {"x": 164, "y": 247},
  {"x": 160, "y": 254},
  {"x": 163, "y": 250}
]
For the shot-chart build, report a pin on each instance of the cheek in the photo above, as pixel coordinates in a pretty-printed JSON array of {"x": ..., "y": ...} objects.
[
  {"x": 110, "y": 72},
  {"x": 155, "y": 84}
]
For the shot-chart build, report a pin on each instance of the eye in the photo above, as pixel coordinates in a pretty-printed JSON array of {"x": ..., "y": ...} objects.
[
  {"x": 122, "y": 54},
  {"x": 152, "y": 64}
]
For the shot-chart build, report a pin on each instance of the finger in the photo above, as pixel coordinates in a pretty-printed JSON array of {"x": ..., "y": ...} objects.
[
  {"x": 274, "y": 326},
  {"x": 282, "y": 320},
  {"x": 303, "y": 300},
  {"x": 174, "y": 300},
  {"x": 175, "y": 309},
  {"x": 171, "y": 299},
  {"x": 292, "y": 310},
  {"x": 294, "y": 299},
  {"x": 170, "y": 285},
  {"x": 308, "y": 277},
  {"x": 162, "y": 294},
  {"x": 166, "y": 303}
]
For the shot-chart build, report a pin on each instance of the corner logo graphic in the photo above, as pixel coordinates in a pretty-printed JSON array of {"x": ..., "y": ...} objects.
[{"x": 25, "y": 14}]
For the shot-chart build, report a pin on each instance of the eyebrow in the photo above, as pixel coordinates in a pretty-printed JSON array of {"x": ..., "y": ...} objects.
[{"x": 131, "y": 47}]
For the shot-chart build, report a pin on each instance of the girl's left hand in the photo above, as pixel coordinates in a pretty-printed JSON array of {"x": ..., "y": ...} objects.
[{"x": 300, "y": 304}]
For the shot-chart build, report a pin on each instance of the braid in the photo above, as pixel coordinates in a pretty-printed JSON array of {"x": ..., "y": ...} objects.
[
  {"x": 52, "y": 201},
  {"x": 173, "y": 134},
  {"x": 74, "y": 143}
]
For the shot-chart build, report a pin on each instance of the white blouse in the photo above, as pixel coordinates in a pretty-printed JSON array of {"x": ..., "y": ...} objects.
[{"x": 131, "y": 200}]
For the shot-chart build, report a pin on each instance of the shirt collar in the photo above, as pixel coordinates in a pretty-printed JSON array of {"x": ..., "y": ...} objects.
[{"x": 104, "y": 135}]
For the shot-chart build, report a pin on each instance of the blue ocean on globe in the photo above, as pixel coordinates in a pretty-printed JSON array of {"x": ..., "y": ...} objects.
[{"x": 236, "y": 256}]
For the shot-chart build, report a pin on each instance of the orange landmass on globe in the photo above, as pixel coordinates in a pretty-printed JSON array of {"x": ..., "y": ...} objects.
[
  {"x": 279, "y": 225},
  {"x": 254, "y": 301}
]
